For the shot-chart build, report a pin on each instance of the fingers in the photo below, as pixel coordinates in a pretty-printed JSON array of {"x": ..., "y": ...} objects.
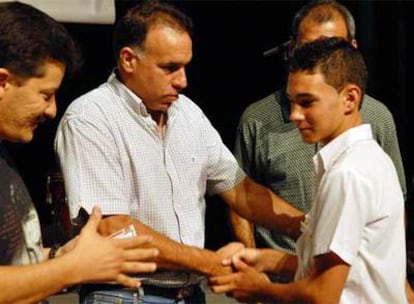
[
  {"x": 222, "y": 289},
  {"x": 94, "y": 219},
  {"x": 128, "y": 281},
  {"x": 140, "y": 254},
  {"x": 135, "y": 242},
  {"x": 222, "y": 280},
  {"x": 230, "y": 250},
  {"x": 239, "y": 264},
  {"x": 138, "y": 259},
  {"x": 226, "y": 262},
  {"x": 139, "y": 267},
  {"x": 237, "y": 259},
  {"x": 248, "y": 256},
  {"x": 222, "y": 285}
]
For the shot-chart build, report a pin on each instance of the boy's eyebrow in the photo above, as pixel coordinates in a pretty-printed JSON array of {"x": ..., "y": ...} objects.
[{"x": 300, "y": 95}]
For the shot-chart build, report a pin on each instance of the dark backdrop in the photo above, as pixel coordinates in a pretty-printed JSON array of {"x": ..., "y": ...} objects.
[{"x": 228, "y": 73}]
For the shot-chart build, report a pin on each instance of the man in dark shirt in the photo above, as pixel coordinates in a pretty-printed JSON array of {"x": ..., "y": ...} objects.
[{"x": 35, "y": 53}]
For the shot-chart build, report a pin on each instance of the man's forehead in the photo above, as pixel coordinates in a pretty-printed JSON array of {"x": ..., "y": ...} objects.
[{"x": 311, "y": 30}]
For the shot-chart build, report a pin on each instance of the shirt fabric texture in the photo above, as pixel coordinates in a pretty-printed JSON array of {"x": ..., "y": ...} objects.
[
  {"x": 271, "y": 150},
  {"x": 112, "y": 155},
  {"x": 359, "y": 215},
  {"x": 20, "y": 233}
]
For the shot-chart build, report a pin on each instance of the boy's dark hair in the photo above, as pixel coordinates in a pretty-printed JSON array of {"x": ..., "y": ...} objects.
[
  {"x": 28, "y": 37},
  {"x": 338, "y": 60}
]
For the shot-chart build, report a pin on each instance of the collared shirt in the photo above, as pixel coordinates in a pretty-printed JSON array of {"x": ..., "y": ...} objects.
[
  {"x": 358, "y": 214},
  {"x": 271, "y": 150},
  {"x": 113, "y": 156}
]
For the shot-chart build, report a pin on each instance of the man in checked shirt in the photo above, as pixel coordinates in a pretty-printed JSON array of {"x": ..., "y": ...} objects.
[{"x": 148, "y": 155}]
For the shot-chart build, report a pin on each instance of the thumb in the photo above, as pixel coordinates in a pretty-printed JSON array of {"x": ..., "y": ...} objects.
[
  {"x": 226, "y": 262},
  {"x": 239, "y": 264},
  {"x": 94, "y": 219}
]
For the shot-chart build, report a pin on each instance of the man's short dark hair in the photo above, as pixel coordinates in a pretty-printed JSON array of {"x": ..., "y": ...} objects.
[
  {"x": 28, "y": 37},
  {"x": 335, "y": 58},
  {"x": 132, "y": 28}
]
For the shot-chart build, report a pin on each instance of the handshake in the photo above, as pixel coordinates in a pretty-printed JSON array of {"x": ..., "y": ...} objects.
[
  {"x": 111, "y": 250},
  {"x": 247, "y": 281}
]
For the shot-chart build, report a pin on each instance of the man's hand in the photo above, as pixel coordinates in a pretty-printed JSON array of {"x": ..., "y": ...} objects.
[
  {"x": 107, "y": 259},
  {"x": 250, "y": 256},
  {"x": 227, "y": 251},
  {"x": 245, "y": 284}
]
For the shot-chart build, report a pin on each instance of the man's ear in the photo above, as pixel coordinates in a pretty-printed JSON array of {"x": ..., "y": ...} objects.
[
  {"x": 353, "y": 97},
  {"x": 127, "y": 57},
  {"x": 354, "y": 43}
]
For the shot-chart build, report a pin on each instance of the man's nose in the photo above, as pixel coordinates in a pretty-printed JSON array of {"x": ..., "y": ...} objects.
[
  {"x": 51, "y": 110},
  {"x": 180, "y": 79}
]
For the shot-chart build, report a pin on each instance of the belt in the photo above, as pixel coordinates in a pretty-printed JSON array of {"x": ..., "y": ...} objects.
[
  {"x": 179, "y": 293},
  {"x": 176, "y": 293}
]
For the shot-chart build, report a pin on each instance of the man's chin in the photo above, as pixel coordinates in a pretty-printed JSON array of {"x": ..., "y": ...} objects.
[{"x": 23, "y": 138}]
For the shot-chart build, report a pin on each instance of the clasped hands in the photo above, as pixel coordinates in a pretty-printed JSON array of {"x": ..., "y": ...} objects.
[{"x": 247, "y": 277}]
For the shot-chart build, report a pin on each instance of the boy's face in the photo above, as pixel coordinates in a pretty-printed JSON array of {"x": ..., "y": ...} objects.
[
  {"x": 317, "y": 109},
  {"x": 26, "y": 103}
]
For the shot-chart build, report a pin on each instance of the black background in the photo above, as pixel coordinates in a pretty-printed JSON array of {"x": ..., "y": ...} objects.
[{"x": 228, "y": 72}]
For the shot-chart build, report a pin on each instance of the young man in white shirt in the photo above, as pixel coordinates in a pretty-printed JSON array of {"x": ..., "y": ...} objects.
[{"x": 352, "y": 247}]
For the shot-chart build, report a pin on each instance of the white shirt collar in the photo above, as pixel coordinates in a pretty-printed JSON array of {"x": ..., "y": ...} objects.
[{"x": 327, "y": 156}]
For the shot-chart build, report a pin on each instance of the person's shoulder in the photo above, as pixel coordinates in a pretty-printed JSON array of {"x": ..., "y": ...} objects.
[
  {"x": 380, "y": 118},
  {"x": 90, "y": 99},
  {"x": 186, "y": 103},
  {"x": 93, "y": 106},
  {"x": 265, "y": 107},
  {"x": 373, "y": 108},
  {"x": 187, "y": 107},
  {"x": 189, "y": 112}
]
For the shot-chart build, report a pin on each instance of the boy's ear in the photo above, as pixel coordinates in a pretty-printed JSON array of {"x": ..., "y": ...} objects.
[
  {"x": 4, "y": 79},
  {"x": 353, "y": 98}
]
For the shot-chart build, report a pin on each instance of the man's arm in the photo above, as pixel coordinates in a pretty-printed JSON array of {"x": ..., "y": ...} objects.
[
  {"x": 29, "y": 284},
  {"x": 81, "y": 263},
  {"x": 243, "y": 230},
  {"x": 172, "y": 255},
  {"x": 261, "y": 206}
]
